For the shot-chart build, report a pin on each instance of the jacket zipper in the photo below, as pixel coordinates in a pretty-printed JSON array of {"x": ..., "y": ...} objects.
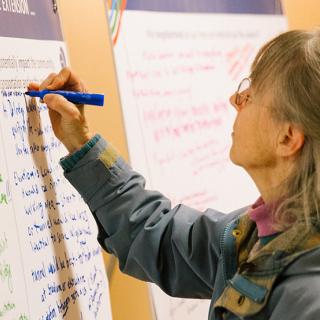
[{"x": 225, "y": 245}]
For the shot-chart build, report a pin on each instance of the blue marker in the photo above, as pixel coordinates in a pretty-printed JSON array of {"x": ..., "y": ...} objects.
[{"x": 74, "y": 97}]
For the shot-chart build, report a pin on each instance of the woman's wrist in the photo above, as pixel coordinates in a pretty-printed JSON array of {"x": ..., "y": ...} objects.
[{"x": 77, "y": 144}]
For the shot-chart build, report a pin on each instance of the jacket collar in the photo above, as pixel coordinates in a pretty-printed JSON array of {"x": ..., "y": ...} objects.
[{"x": 248, "y": 291}]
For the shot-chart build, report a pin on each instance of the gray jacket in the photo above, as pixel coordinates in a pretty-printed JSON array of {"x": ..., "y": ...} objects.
[{"x": 194, "y": 254}]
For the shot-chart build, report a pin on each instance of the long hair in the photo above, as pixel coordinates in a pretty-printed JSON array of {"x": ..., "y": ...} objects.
[{"x": 288, "y": 67}]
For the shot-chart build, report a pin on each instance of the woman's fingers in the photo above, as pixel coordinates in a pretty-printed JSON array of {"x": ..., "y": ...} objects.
[
  {"x": 33, "y": 86},
  {"x": 66, "y": 79},
  {"x": 60, "y": 80},
  {"x": 66, "y": 109},
  {"x": 44, "y": 85}
]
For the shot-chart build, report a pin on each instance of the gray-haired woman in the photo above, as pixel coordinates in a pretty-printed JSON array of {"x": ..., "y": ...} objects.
[{"x": 260, "y": 262}]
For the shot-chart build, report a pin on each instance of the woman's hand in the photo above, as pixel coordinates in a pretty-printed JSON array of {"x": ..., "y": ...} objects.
[{"x": 68, "y": 121}]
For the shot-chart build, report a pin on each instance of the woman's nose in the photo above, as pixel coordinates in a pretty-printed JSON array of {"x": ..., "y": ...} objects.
[{"x": 232, "y": 101}]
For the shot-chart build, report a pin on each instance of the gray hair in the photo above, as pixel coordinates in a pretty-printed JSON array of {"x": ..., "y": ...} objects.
[{"x": 288, "y": 67}]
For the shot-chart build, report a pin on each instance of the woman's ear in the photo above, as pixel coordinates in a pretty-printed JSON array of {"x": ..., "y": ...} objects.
[{"x": 290, "y": 140}]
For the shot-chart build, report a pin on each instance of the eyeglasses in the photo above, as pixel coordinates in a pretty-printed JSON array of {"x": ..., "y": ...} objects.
[{"x": 242, "y": 97}]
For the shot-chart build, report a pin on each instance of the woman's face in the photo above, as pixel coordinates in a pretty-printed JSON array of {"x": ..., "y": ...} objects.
[{"x": 254, "y": 133}]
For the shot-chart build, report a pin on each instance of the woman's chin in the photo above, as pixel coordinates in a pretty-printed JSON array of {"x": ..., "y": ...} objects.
[{"x": 232, "y": 155}]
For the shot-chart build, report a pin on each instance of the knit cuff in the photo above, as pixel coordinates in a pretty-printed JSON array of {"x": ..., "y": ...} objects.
[{"x": 68, "y": 162}]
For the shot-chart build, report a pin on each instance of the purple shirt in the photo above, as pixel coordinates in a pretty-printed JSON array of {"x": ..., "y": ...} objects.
[{"x": 261, "y": 214}]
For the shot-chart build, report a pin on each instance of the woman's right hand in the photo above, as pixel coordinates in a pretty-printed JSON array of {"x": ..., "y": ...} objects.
[{"x": 68, "y": 120}]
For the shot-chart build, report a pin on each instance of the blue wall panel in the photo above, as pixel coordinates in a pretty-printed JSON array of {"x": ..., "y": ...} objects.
[{"x": 216, "y": 6}]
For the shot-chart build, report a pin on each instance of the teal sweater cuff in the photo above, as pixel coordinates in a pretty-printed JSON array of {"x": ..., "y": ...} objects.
[{"x": 68, "y": 162}]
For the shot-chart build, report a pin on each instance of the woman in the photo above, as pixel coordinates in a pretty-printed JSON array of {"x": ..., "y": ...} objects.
[{"x": 260, "y": 262}]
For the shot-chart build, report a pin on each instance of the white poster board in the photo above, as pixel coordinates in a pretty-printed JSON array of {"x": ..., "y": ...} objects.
[
  {"x": 176, "y": 73},
  {"x": 51, "y": 265}
]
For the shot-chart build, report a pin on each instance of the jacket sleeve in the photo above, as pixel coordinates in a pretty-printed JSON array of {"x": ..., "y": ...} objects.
[{"x": 176, "y": 248}]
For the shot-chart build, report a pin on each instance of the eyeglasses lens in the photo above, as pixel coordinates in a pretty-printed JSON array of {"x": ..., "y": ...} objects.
[{"x": 243, "y": 86}]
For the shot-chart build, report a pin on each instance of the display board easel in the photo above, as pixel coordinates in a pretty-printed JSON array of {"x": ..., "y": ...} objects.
[
  {"x": 50, "y": 262},
  {"x": 177, "y": 65}
]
